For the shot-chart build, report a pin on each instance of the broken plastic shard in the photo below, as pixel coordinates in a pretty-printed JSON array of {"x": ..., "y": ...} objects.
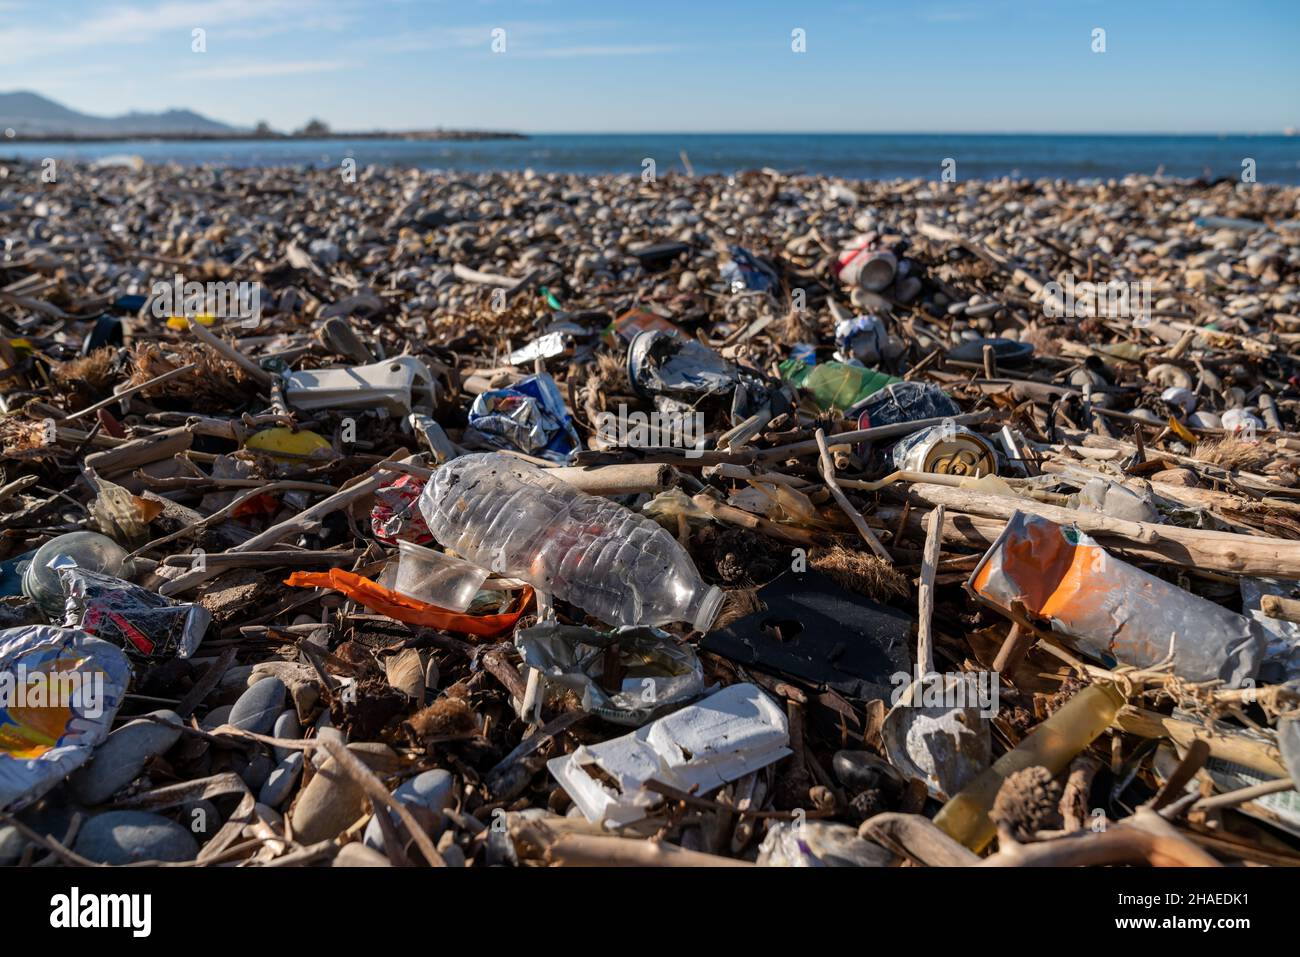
[
  {"x": 60, "y": 689},
  {"x": 699, "y": 748},
  {"x": 397, "y": 385},
  {"x": 655, "y": 672},
  {"x": 819, "y": 844},
  {"x": 289, "y": 447},
  {"x": 946, "y": 747},
  {"x": 815, "y": 630}
]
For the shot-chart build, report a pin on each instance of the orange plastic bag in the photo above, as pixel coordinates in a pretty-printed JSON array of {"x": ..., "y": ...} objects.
[{"x": 388, "y": 602}]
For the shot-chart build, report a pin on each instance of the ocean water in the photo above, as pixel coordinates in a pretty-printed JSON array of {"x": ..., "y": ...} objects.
[{"x": 859, "y": 156}]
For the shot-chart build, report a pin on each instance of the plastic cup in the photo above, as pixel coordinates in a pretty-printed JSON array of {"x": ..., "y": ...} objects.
[
  {"x": 436, "y": 578},
  {"x": 89, "y": 550}
]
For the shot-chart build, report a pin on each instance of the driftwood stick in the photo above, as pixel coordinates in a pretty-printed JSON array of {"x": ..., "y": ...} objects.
[
  {"x": 586, "y": 850},
  {"x": 925, "y": 593},
  {"x": 188, "y": 367},
  {"x": 215, "y": 342},
  {"x": 1186, "y": 547},
  {"x": 879, "y": 433},
  {"x": 345, "y": 497},
  {"x": 1117, "y": 845},
  {"x": 828, "y": 473}
]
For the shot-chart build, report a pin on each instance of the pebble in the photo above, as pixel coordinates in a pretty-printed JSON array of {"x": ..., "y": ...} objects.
[
  {"x": 286, "y": 726},
  {"x": 282, "y": 780},
  {"x": 259, "y": 706},
  {"x": 358, "y": 855},
  {"x": 125, "y": 837},
  {"x": 432, "y": 789},
  {"x": 860, "y": 770},
  {"x": 331, "y": 800},
  {"x": 257, "y": 769},
  {"x": 216, "y": 717},
  {"x": 120, "y": 759}
]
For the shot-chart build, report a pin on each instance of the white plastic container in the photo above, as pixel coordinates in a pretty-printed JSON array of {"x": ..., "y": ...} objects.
[{"x": 438, "y": 579}]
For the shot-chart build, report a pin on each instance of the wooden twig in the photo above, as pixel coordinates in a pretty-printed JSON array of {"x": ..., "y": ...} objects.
[
  {"x": 188, "y": 367},
  {"x": 828, "y": 474},
  {"x": 925, "y": 593}
]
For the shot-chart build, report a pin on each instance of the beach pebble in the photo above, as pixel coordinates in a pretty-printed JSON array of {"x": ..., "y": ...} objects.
[
  {"x": 120, "y": 759},
  {"x": 332, "y": 801},
  {"x": 358, "y": 855},
  {"x": 282, "y": 780},
  {"x": 216, "y": 717},
  {"x": 256, "y": 769},
  {"x": 859, "y": 770},
  {"x": 125, "y": 837},
  {"x": 432, "y": 789},
  {"x": 259, "y": 706},
  {"x": 201, "y": 818},
  {"x": 286, "y": 726}
]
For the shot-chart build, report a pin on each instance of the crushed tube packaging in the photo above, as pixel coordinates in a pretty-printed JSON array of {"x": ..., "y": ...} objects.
[
  {"x": 1113, "y": 610},
  {"x": 699, "y": 748},
  {"x": 529, "y": 416},
  {"x": 59, "y": 691},
  {"x": 143, "y": 623},
  {"x": 654, "y": 672}
]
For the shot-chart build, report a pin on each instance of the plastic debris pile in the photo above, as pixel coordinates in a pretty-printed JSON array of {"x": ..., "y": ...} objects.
[{"x": 769, "y": 520}]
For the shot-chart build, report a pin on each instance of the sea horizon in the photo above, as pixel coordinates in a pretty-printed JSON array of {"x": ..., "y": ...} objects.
[{"x": 1273, "y": 158}]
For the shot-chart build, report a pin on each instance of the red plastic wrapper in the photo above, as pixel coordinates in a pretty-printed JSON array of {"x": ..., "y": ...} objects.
[{"x": 396, "y": 515}]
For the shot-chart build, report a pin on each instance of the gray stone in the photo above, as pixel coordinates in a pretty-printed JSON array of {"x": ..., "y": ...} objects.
[
  {"x": 120, "y": 759},
  {"x": 358, "y": 855},
  {"x": 216, "y": 717},
  {"x": 332, "y": 800},
  {"x": 201, "y": 818},
  {"x": 259, "y": 706},
  {"x": 286, "y": 726},
  {"x": 431, "y": 789},
  {"x": 257, "y": 769},
  {"x": 281, "y": 783},
  {"x": 125, "y": 837}
]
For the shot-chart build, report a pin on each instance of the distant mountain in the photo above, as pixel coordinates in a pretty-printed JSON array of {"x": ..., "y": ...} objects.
[{"x": 30, "y": 114}]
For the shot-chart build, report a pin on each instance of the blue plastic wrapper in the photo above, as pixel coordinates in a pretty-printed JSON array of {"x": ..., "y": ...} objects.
[
  {"x": 530, "y": 417},
  {"x": 862, "y": 340},
  {"x": 746, "y": 271},
  {"x": 904, "y": 402},
  {"x": 60, "y": 689}
]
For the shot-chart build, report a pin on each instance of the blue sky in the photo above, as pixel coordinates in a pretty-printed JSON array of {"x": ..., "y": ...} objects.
[{"x": 672, "y": 65}]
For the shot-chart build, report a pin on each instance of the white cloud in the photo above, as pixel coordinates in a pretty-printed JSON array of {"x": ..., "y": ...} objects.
[{"x": 141, "y": 23}]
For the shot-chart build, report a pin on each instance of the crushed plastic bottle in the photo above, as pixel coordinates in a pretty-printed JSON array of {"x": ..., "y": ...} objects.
[{"x": 510, "y": 516}]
